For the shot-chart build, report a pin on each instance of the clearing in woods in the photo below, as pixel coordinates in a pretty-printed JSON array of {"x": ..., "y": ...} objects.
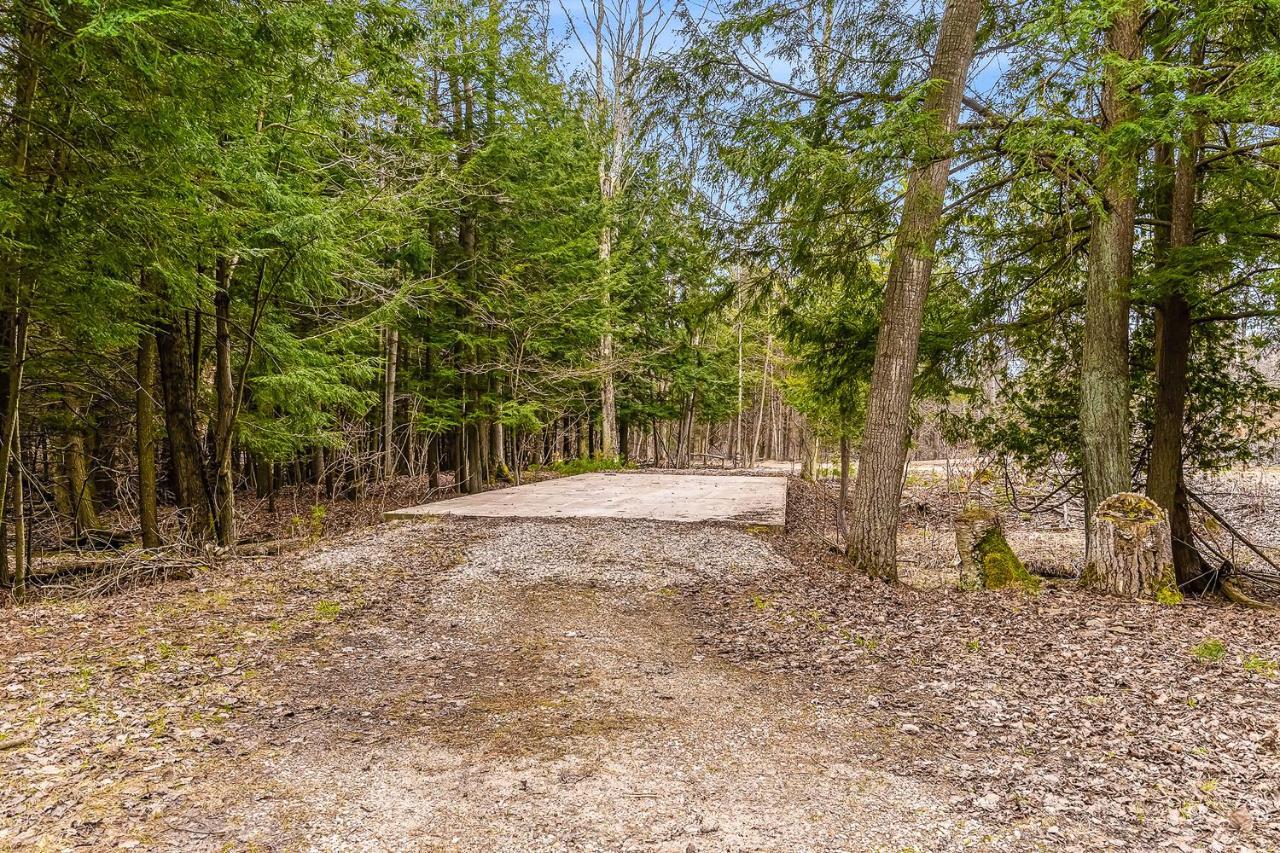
[{"x": 595, "y": 684}]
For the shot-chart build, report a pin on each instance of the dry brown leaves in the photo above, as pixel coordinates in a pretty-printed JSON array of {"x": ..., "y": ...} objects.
[{"x": 1066, "y": 715}]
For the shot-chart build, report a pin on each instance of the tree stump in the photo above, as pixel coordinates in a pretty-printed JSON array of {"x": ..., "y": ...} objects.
[
  {"x": 1133, "y": 551},
  {"x": 986, "y": 560}
]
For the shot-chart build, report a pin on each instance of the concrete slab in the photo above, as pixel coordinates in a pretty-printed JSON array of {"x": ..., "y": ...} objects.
[{"x": 748, "y": 501}]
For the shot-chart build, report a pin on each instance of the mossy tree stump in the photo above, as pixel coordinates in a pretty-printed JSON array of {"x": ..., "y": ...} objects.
[
  {"x": 1133, "y": 550},
  {"x": 986, "y": 560}
]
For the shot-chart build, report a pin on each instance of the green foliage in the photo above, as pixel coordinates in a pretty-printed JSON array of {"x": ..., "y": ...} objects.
[
  {"x": 589, "y": 465},
  {"x": 1000, "y": 567},
  {"x": 327, "y": 611},
  {"x": 335, "y": 172},
  {"x": 1209, "y": 650},
  {"x": 867, "y": 643},
  {"x": 1026, "y": 229},
  {"x": 1259, "y": 665}
]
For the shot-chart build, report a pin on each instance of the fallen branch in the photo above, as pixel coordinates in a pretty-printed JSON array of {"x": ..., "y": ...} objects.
[
  {"x": 271, "y": 547},
  {"x": 139, "y": 568},
  {"x": 1240, "y": 537}
]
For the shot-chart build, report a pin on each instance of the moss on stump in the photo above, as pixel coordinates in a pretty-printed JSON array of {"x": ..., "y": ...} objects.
[
  {"x": 1132, "y": 551},
  {"x": 986, "y": 560}
]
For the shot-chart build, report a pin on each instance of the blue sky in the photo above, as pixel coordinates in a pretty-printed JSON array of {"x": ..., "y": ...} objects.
[{"x": 984, "y": 76}]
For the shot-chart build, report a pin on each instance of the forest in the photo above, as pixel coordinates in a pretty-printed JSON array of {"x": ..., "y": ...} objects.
[
  {"x": 998, "y": 283},
  {"x": 260, "y": 246}
]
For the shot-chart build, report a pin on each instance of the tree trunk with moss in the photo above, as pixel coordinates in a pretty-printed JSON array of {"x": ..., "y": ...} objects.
[
  {"x": 75, "y": 460},
  {"x": 986, "y": 560},
  {"x": 1133, "y": 554}
]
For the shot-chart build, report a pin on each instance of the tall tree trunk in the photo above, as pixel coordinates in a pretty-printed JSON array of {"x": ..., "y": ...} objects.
[
  {"x": 484, "y": 434},
  {"x": 262, "y": 477},
  {"x": 180, "y": 425},
  {"x": 433, "y": 463},
  {"x": 735, "y": 444},
  {"x": 877, "y": 490},
  {"x": 475, "y": 470},
  {"x": 1173, "y": 348},
  {"x": 16, "y": 277},
  {"x": 1104, "y": 379},
  {"x": 224, "y": 420},
  {"x": 146, "y": 437},
  {"x": 411, "y": 439},
  {"x": 21, "y": 554},
  {"x": 608, "y": 394},
  {"x": 389, "y": 405},
  {"x": 498, "y": 452},
  {"x": 75, "y": 467},
  {"x": 15, "y": 331},
  {"x": 764, "y": 387},
  {"x": 581, "y": 440},
  {"x": 842, "y": 520}
]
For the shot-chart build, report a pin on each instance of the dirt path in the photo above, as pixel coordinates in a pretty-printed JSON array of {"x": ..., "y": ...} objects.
[
  {"x": 596, "y": 685},
  {"x": 461, "y": 685},
  {"x": 554, "y": 697}
]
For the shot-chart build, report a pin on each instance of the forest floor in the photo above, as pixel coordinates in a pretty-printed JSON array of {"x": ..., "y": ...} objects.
[{"x": 478, "y": 684}]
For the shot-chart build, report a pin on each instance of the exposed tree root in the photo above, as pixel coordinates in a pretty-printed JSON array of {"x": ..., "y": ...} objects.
[{"x": 1236, "y": 596}]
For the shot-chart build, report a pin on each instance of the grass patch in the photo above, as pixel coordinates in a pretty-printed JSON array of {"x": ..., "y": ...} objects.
[
  {"x": 327, "y": 611},
  {"x": 1210, "y": 649},
  {"x": 869, "y": 644},
  {"x": 1259, "y": 665},
  {"x": 590, "y": 465}
]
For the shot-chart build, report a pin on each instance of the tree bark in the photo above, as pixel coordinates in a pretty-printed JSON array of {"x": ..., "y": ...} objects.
[
  {"x": 735, "y": 444},
  {"x": 764, "y": 387},
  {"x": 1173, "y": 349},
  {"x": 809, "y": 456},
  {"x": 389, "y": 405},
  {"x": 877, "y": 490},
  {"x": 1133, "y": 557},
  {"x": 21, "y": 561},
  {"x": 842, "y": 520},
  {"x": 475, "y": 472},
  {"x": 179, "y": 415},
  {"x": 224, "y": 421},
  {"x": 16, "y": 277},
  {"x": 146, "y": 440},
  {"x": 433, "y": 463},
  {"x": 1165, "y": 477},
  {"x": 1104, "y": 379},
  {"x": 15, "y": 328},
  {"x": 75, "y": 466},
  {"x": 986, "y": 560}
]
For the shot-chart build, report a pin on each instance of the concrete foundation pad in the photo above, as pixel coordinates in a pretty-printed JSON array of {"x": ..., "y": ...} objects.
[{"x": 747, "y": 501}]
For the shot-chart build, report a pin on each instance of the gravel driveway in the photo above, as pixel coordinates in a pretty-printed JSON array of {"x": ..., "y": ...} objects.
[
  {"x": 456, "y": 685},
  {"x": 555, "y": 696}
]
